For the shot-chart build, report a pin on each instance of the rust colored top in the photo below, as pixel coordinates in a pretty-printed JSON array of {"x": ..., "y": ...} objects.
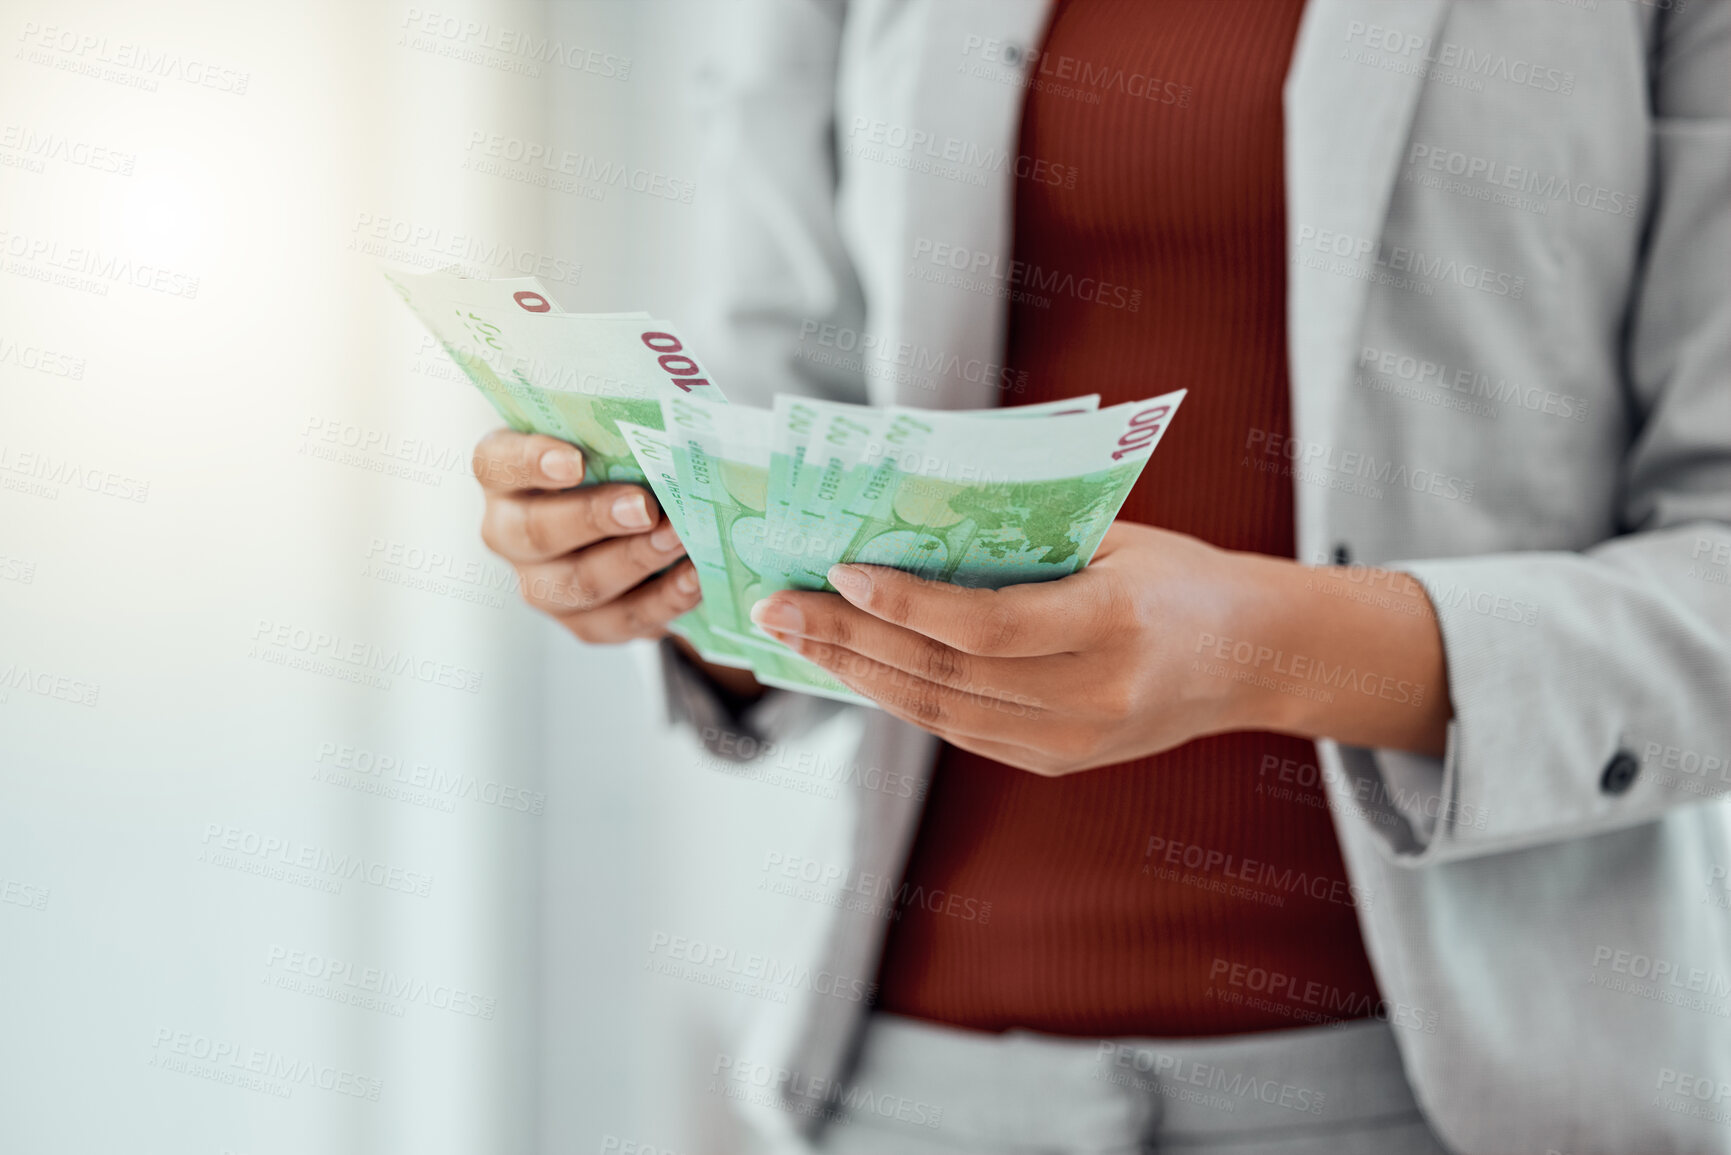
[{"x": 1200, "y": 891}]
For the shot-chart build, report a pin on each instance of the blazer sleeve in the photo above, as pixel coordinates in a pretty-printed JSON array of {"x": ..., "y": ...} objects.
[
  {"x": 1616, "y": 706},
  {"x": 772, "y": 277},
  {"x": 774, "y": 270}
]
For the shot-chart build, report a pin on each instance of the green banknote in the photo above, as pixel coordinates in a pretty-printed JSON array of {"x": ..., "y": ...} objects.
[
  {"x": 792, "y": 422},
  {"x": 655, "y": 457},
  {"x": 812, "y": 522},
  {"x": 823, "y": 441},
  {"x": 769, "y": 500},
  {"x": 991, "y": 505},
  {"x": 721, "y": 457},
  {"x": 570, "y": 376}
]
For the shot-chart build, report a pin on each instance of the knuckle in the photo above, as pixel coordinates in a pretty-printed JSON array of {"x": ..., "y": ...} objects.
[
  {"x": 486, "y": 451},
  {"x": 561, "y": 590},
  {"x": 531, "y": 588},
  {"x": 839, "y": 661},
  {"x": 537, "y": 530},
  {"x": 1121, "y": 611},
  {"x": 504, "y": 526},
  {"x": 641, "y": 619},
  {"x": 939, "y": 663},
  {"x": 842, "y": 663},
  {"x": 490, "y": 528},
  {"x": 584, "y": 519},
  {"x": 576, "y": 593},
  {"x": 991, "y": 628},
  {"x": 925, "y": 708},
  {"x": 493, "y": 464},
  {"x": 896, "y": 607},
  {"x": 835, "y": 628}
]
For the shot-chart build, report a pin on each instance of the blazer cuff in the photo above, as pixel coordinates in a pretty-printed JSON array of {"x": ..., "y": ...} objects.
[
  {"x": 1572, "y": 677},
  {"x": 729, "y": 729},
  {"x": 1405, "y": 800}
]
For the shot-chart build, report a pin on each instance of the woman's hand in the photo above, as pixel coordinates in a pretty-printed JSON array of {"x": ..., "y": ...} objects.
[
  {"x": 584, "y": 557},
  {"x": 1162, "y": 639},
  {"x": 591, "y": 559}
]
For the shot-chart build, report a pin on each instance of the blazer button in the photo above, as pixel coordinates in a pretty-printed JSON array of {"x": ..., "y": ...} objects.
[
  {"x": 1342, "y": 555},
  {"x": 1620, "y": 773}
]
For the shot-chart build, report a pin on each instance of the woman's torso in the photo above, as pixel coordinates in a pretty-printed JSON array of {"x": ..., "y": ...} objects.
[{"x": 1140, "y": 899}]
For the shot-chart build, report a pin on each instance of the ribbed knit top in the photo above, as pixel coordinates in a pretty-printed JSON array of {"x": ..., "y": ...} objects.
[{"x": 1159, "y": 897}]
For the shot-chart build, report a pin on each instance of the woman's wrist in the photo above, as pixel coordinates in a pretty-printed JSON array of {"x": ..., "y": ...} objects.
[{"x": 1325, "y": 652}]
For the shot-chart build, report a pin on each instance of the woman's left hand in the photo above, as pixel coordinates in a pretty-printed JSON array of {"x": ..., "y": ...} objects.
[
  {"x": 1052, "y": 676},
  {"x": 1113, "y": 663}
]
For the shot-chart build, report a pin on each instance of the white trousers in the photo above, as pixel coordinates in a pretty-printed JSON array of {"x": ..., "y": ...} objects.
[{"x": 921, "y": 1089}]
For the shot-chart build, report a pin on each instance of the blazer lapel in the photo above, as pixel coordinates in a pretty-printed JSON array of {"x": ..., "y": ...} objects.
[
  {"x": 1349, "y": 99},
  {"x": 1349, "y": 105},
  {"x": 968, "y": 92}
]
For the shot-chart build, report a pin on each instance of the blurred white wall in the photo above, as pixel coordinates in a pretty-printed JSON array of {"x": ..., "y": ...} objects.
[{"x": 312, "y": 838}]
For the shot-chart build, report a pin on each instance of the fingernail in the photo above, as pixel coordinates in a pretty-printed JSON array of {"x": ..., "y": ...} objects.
[
  {"x": 665, "y": 539},
  {"x": 687, "y": 582},
  {"x": 780, "y": 616},
  {"x": 630, "y": 512},
  {"x": 561, "y": 465},
  {"x": 851, "y": 583}
]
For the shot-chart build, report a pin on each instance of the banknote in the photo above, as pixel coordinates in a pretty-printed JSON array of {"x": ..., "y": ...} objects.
[
  {"x": 721, "y": 458},
  {"x": 963, "y": 497},
  {"x": 792, "y": 420},
  {"x": 822, "y": 441},
  {"x": 809, "y": 524},
  {"x": 997, "y": 505},
  {"x": 571, "y": 376},
  {"x": 584, "y": 379},
  {"x": 766, "y": 500},
  {"x": 450, "y": 306},
  {"x": 655, "y": 456}
]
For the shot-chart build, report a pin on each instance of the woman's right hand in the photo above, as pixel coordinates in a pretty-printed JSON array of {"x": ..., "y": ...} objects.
[{"x": 584, "y": 557}]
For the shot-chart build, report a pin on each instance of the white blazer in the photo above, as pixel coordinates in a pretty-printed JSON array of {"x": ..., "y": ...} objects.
[{"x": 1510, "y": 315}]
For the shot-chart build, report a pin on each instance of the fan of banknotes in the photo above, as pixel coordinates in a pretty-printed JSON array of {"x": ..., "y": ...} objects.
[{"x": 769, "y": 499}]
